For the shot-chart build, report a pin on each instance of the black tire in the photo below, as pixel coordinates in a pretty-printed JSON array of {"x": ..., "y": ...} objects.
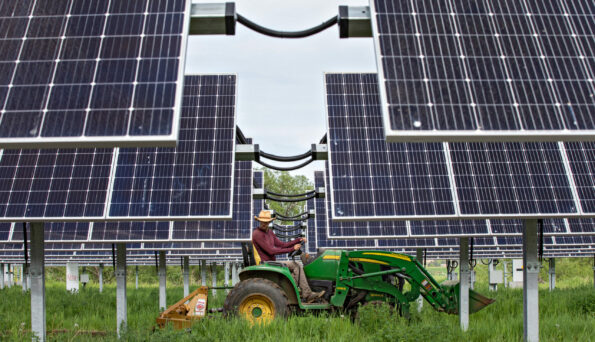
[{"x": 253, "y": 296}]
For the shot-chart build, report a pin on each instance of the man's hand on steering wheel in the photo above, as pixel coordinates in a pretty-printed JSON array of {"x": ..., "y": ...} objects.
[
  {"x": 303, "y": 240},
  {"x": 297, "y": 246}
]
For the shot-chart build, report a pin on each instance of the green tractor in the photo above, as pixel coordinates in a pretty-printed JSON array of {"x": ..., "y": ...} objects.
[{"x": 349, "y": 279}]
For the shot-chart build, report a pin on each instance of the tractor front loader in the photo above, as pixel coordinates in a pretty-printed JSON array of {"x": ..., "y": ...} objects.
[{"x": 349, "y": 278}]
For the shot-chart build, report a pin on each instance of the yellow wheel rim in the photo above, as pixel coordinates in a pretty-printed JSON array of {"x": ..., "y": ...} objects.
[{"x": 257, "y": 308}]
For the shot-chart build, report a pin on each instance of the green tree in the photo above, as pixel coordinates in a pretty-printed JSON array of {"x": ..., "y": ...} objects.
[{"x": 282, "y": 182}]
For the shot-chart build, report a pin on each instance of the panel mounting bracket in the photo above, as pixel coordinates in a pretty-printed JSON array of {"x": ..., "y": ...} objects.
[{"x": 213, "y": 18}]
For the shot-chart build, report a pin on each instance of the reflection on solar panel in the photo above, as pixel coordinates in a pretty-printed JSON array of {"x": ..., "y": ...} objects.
[
  {"x": 191, "y": 181},
  {"x": 477, "y": 70},
  {"x": 195, "y": 178},
  {"x": 91, "y": 73},
  {"x": 375, "y": 180}
]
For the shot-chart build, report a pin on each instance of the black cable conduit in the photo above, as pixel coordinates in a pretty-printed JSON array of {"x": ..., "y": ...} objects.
[
  {"x": 285, "y": 159},
  {"x": 268, "y": 192},
  {"x": 290, "y": 200},
  {"x": 289, "y": 168},
  {"x": 286, "y": 34},
  {"x": 292, "y": 217}
]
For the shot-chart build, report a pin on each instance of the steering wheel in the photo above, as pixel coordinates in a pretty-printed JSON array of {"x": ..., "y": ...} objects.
[{"x": 295, "y": 252}]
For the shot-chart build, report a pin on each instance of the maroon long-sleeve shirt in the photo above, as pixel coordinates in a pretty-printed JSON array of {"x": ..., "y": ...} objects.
[{"x": 268, "y": 245}]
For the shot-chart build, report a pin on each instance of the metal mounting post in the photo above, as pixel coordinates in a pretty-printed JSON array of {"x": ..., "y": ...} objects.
[
  {"x": 226, "y": 274},
  {"x": 465, "y": 278},
  {"x": 186, "y": 274},
  {"x": 234, "y": 274},
  {"x": 1, "y": 276},
  {"x": 162, "y": 281},
  {"x": 136, "y": 277},
  {"x": 214, "y": 277},
  {"x": 505, "y": 274},
  {"x": 419, "y": 254},
  {"x": 100, "y": 278},
  {"x": 492, "y": 286},
  {"x": 203, "y": 272},
  {"x": 552, "y": 273},
  {"x": 37, "y": 270},
  {"x": 121, "y": 304},
  {"x": 530, "y": 280}
]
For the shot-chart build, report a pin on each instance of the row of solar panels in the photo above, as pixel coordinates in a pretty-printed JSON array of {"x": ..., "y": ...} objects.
[{"x": 110, "y": 73}]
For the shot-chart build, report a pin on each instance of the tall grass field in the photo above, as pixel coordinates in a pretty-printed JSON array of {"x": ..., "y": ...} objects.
[{"x": 566, "y": 314}]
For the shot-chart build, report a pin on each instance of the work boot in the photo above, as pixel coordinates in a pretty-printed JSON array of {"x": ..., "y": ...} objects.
[{"x": 314, "y": 297}]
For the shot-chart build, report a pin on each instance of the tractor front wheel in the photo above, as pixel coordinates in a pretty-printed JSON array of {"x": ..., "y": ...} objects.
[{"x": 258, "y": 300}]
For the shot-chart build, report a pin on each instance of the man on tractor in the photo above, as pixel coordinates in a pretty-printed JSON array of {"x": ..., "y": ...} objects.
[{"x": 267, "y": 245}]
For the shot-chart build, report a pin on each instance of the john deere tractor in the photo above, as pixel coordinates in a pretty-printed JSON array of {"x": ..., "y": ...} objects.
[{"x": 349, "y": 278}]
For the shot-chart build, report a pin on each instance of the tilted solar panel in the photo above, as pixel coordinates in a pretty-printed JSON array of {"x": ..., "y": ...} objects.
[
  {"x": 91, "y": 73},
  {"x": 374, "y": 180},
  {"x": 486, "y": 70}
]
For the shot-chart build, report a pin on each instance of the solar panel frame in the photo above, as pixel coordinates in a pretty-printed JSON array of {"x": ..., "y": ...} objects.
[
  {"x": 412, "y": 135},
  {"x": 124, "y": 140}
]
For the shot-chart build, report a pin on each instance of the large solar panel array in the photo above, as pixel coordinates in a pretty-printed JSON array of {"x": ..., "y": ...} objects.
[
  {"x": 91, "y": 73},
  {"x": 191, "y": 181},
  {"x": 374, "y": 180},
  {"x": 481, "y": 70}
]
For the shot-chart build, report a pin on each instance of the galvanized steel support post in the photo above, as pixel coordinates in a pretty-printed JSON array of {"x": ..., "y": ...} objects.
[
  {"x": 1, "y": 276},
  {"x": 203, "y": 273},
  {"x": 234, "y": 274},
  {"x": 419, "y": 254},
  {"x": 491, "y": 287},
  {"x": 465, "y": 278},
  {"x": 186, "y": 274},
  {"x": 552, "y": 273},
  {"x": 505, "y": 273},
  {"x": 226, "y": 274},
  {"x": 162, "y": 281},
  {"x": 38, "y": 326},
  {"x": 121, "y": 301},
  {"x": 100, "y": 278},
  {"x": 214, "y": 277},
  {"x": 530, "y": 281},
  {"x": 136, "y": 277}
]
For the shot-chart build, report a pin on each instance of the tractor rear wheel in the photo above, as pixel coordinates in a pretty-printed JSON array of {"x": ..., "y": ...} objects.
[{"x": 258, "y": 300}]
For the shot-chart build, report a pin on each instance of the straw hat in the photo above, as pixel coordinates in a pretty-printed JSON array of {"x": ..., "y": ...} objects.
[{"x": 264, "y": 216}]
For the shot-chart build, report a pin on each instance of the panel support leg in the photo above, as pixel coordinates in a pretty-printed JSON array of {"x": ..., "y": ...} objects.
[
  {"x": 234, "y": 275},
  {"x": 38, "y": 326},
  {"x": 100, "y": 278},
  {"x": 121, "y": 304},
  {"x": 25, "y": 278},
  {"x": 505, "y": 273},
  {"x": 136, "y": 277},
  {"x": 226, "y": 274},
  {"x": 186, "y": 274},
  {"x": 1, "y": 276},
  {"x": 552, "y": 273},
  {"x": 419, "y": 254},
  {"x": 203, "y": 272},
  {"x": 530, "y": 278},
  {"x": 492, "y": 286},
  {"x": 162, "y": 282},
  {"x": 214, "y": 278},
  {"x": 465, "y": 279}
]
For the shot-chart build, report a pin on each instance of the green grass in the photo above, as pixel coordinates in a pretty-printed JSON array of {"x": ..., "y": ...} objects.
[{"x": 566, "y": 314}]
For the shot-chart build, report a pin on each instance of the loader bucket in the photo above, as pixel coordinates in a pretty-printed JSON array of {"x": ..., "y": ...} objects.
[{"x": 477, "y": 301}]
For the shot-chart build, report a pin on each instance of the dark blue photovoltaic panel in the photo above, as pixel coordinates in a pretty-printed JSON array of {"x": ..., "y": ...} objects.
[
  {"x": 193, "y": 180},
  {"x": 321, "y": 222},
  {"x": 54, "y": 184},
  {"x": 474, "y": 69},
  {"x": 238, "y": 228},
  {"x": 582, "y": 225},
  {"x": 5, "y": 231},
  {"x": 338, "y": 229},
  {"x": 372, "y": 178},
  {"x": 449, "y": 227},
  {"x": 134, "y": 231},
  {"x": 511, "y": 178},
  {"x": 57, "y": 231},
  {"x": 403, "y": 243},
  {"x": 96, "y": 73},
  {"x": 581, "y": 157},
  {"x": 514, "y": 227}
]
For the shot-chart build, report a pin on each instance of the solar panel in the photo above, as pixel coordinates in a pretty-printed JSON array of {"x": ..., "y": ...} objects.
[
  {"x": 99, "y": 73},
  {"x": 581, "y": 157},
  {"x": 130, "y": 231},
  {"x": 372, "y": 180},
  {"x": 192, "y": 181},
  {"x": 399, "y": 179},
  {"x": 485, "y": 70}
]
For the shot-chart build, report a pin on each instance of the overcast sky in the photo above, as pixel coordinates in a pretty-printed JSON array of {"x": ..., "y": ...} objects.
[{"x": 280, "y": 81}]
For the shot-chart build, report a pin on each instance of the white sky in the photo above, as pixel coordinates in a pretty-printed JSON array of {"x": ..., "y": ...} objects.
[{"x": 281, "y": 100}]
